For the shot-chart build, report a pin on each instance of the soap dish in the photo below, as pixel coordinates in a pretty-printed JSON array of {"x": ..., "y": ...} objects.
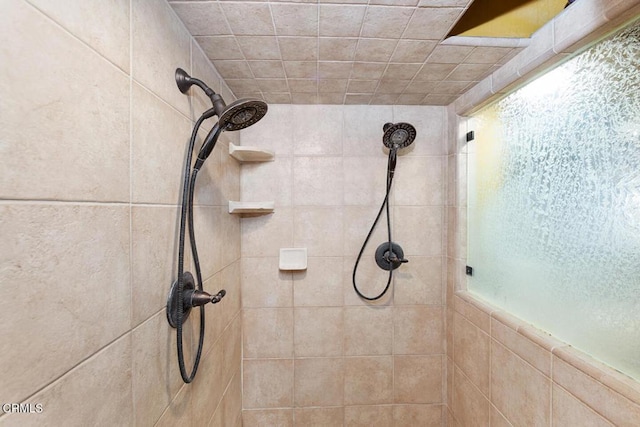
[{"x": 293, "y": 259}]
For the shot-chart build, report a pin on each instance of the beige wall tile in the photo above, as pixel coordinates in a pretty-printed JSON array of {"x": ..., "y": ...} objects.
[
  {"x": 208, "y": 229},
  {"x": 153, "y": 258},
  {"x": 417, "y": 379},
  {"x": 358, "y": 221},
  {"x": 311, "y": 134},
  {"x": 362, "y": 126},
  {"x": 272, "y": 180},
  {"x": 318, "y": 331},
  {"x": 418, "y": 330},
  {"x": 267, "y": 383},
  {"x": 368, "y": 331},
  {"x": 155, "y": 373},
  {"x": 523, "y": 347},
  {"x": 230, "y": 281},
  {"x": 320, "y": 284},
  {"x": 158, "y": 139},
  {"x": 368, "y": 380},
  {"x": 476, "y": 316},
  {"x": 232, "y": 403},
  {"x": 108, "y": 369},
  {"x": 518, "y": 390},
  {"x": 470, "y": 407},
  {"x": 202, "y": 18},
  {"x": 318, "y": 382},
  {"x": 615, "y": 407},
  {"x": 365, "y": 181},
  {"x": 317, "y": 181},
  {"x": 268, "y": 332},
  {"x": 179, "y": 410},
  {"x": 267, "y": 417},
  {"x": 90, "y": 22},
  {"x": 419, "y": 282},
  {"x": 421, "y": 231},
  {"x": 497, "y": 419},
  {"x": 310, "y": 230},
  {"x": 232, "y": 348},
  {"x": 264, "y": 235},
  {"x": 569, "y": 411},
  {"x": 368, "y": 416},
  {"x": 71, "y": 115},
  {"x": 208, "y": 386},
  {"x": 472, "y": 352},
  {"x": 160, "y": 44},
  {"x": 319, "y": 417},
  {"x": 428, "y": 190},
  {"x": 37, "y": 240},
  {"x": 430, "y": 128},
  {"x": 418, "y": 415},
  {"x": 273, "y": 132},
  {"x": 263, "y": 285},
  {"x": 370, "y": 280}
]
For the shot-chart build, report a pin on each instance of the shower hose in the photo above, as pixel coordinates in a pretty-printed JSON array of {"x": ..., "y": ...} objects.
[
  {"x": 385, "y": 204},
  {"x": 186, "y": 217}
]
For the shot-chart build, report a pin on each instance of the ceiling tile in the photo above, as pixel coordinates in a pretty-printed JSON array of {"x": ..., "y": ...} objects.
[
  {"x": 233, "y": 69},
  {"x": 385, "y": 22},
  {"x": 259, "y": 47},
  {"x": 362, "y": 86},
  {"x": 420, "y": 87},
  {"x": 367, "y": 70},
  {"x": 469, "y": 72},
  {"x": 337, "y": 48},
  {"x": 272, "y": 85},
  {"x": 267, "y": 69},
  {"x": 410, "y": 99},
  {"x": 392, "y": 86},
  {"x": 375, "y": 50},
  {"x": 301, "y": 69},
  {"x": 334, "y": 70},
  {"x": 487, "y": 55},
  {"x": 249, "y": 18},
  {"x": 331, "y": 98},
  {"x": 449, "y": 54},
  {"x": 202, "y": 18},
  {"x": 341, "y": 20},
  {"x": 304, "y": 98},
  {"x": 384, "y": 99},
  {"x": 357, "y": 99},
  {"x": 451, "y": 88},
  {"x": 431, "y": 23},
  {"x": 242, "y": 85},
  {"x": 401, "y": 71},
  {"x": 220, "y": 47},
  {"x": 412, "y": 51},
  {"x": 295, "y": 19},
  {"x": 303, "y": 85},
  {"x": 298, "y": 48},
  {"x": 435, "y": 99},
  {"x": 277, "y": 98},
  {"x": 332, "y": 85},
  {"x": 431, "y": 72},
  {"x": 395, "y": 2}
]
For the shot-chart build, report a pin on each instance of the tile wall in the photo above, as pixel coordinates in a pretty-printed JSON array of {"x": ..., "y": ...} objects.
[
  {"x": 93, "y": 134},
  {"x": 502, "y": 371},
  {"x": 313, "y": 352}
]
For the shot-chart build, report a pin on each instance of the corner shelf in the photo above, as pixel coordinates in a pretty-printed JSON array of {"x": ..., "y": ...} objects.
[
  {"x": 251, "y": 208},
  {"x": 250, "y": 154}
]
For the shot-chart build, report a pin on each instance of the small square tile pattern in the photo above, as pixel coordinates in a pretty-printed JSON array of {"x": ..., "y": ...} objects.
[{"x": 340, "y": 52}]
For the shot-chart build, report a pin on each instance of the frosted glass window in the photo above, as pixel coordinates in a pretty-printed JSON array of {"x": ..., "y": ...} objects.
[{"x": 554, "y": 202}]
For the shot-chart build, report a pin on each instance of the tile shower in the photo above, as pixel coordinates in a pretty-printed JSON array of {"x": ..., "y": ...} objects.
[{"x": 89, "y": 219}]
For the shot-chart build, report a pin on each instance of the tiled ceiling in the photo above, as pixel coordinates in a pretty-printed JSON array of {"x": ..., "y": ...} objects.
[{"x": 332, "y": 52}]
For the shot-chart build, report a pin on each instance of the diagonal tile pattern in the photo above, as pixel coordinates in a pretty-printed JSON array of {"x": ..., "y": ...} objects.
[{"x": 341, "y": 51}]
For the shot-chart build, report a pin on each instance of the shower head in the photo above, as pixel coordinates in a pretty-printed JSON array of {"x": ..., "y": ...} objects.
[
  {"x": 398, "y": 135},
  {"x": 241, "y": 114}
]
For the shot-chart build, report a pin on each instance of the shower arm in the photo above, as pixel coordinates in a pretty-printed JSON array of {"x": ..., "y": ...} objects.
[{"x": 185, "y": 81}]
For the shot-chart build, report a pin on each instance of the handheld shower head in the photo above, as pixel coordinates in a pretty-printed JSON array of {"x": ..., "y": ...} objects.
[
  {"x": 242, "y": 113},
  {"x": 398, "y": 135}
]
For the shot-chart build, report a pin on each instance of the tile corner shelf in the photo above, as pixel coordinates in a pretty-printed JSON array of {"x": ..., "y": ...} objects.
[
  {"x": 250, "y": 154},
  {"x": 251, "y": 208}
]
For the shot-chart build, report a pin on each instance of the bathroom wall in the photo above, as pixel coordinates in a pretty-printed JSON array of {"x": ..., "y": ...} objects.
[
  {"x": 93, "y": 134},
  {"x": 313, "y": 352},
  {"x": 500, "y": 370}
]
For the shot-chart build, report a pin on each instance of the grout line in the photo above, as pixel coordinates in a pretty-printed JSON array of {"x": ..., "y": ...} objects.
[{"x": 131, "y": 268}]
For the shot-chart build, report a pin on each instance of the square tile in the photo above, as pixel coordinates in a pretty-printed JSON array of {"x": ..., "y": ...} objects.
[{"x": 318, "y": 331}]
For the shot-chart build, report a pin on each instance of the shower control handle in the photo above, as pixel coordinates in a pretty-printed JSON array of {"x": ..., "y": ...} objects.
[{"x": 197, "y": 298}]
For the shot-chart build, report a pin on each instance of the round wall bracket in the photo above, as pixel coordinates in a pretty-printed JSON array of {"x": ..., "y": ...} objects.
[
  {"x": 183, "y": 80},
  {"x": 389, "y": 260},
  {"x": 173, "y": 300}
]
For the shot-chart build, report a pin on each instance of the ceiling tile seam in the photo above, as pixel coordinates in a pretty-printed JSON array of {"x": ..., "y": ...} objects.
[{"x": 275, "y": 32}]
